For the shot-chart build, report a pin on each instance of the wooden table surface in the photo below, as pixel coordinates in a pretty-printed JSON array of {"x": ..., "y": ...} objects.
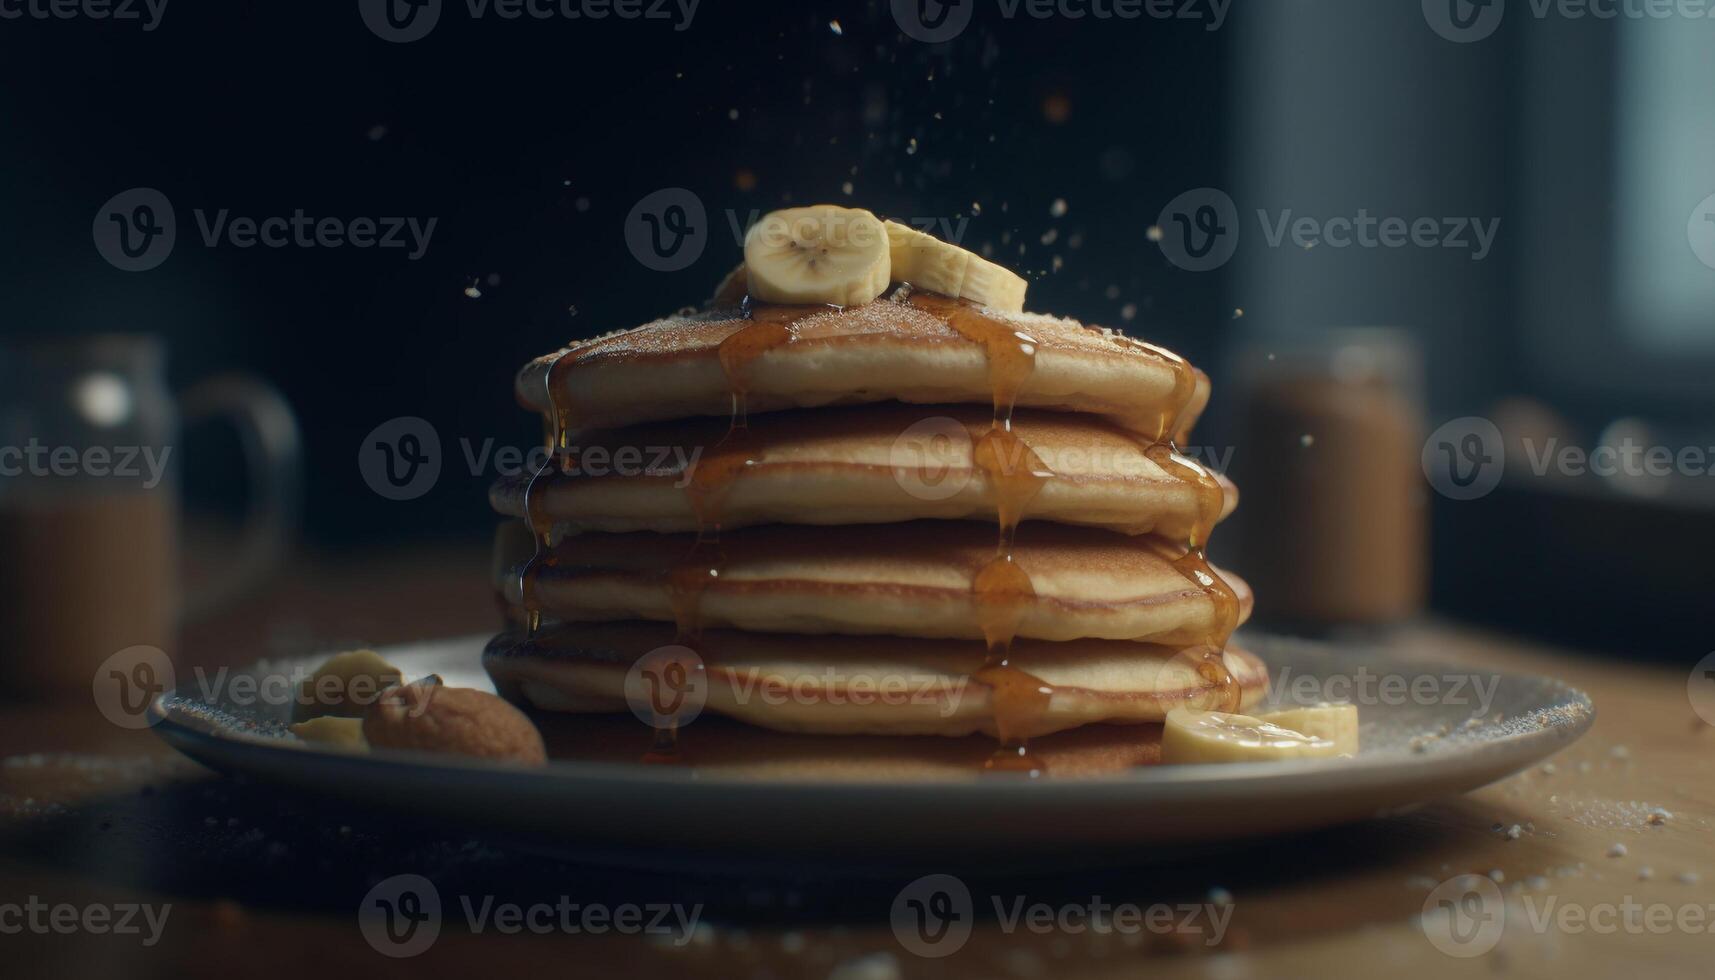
[{"x": 268, "y": 882}]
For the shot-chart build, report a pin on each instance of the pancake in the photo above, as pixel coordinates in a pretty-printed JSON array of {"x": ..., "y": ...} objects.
[
  {"x": 910, "y": 579},
  {"x": 844, "y": 685},
  {"x": 873, "y": 464},
  {"x": 887, "y": 350}
]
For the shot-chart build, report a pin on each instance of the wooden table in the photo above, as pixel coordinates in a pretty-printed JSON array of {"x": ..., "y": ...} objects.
[{"x": 266, "y": 883}]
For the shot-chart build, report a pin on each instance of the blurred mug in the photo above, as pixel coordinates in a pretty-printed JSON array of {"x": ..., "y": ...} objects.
[
  {"x": 89, "y": 507},
  {"x": 1333, "y": 516}
]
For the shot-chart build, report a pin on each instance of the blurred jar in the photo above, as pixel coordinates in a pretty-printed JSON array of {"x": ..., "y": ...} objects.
[
  {"x": 1333, "y": 514},
  {"x": 89, "y": 505}
]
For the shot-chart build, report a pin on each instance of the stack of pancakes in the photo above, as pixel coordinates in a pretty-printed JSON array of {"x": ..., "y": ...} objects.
[{"x": 916, "y": 516}]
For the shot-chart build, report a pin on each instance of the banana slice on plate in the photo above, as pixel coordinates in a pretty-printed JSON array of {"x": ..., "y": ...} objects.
[
  {"x": 333, "y": 733},
  {"x": 818, "y": 255},
  {"x": 926, "y": 262},
  {"x": 1338, "y": 723},
  {"x": 1192, "y": 736}
]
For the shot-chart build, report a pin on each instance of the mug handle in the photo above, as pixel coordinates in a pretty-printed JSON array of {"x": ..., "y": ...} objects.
[{"x": 273, "y": 456}]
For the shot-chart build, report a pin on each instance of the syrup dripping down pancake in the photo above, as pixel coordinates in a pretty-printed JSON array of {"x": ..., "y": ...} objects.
[
  {"x": 842, "y": 685},
  {"x": 887, "y": 350},
  {"x": 910, "y": 579},
  {"x": 873, "y": 464}
]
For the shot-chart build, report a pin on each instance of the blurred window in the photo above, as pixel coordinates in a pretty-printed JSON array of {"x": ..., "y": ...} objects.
[{"x": 1664, "y": 220}]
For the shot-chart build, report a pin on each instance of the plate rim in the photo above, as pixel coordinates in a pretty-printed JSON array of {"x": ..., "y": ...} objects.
[{"x": 189, "y": 733}]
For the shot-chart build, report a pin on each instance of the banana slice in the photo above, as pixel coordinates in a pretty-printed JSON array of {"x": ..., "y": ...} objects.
[
  {"x": 821, "y": 254},
  {"x": 345, "y": 685},
  {"x": 333, "y": 733},
  {"x": 1337, "y": 723},
  {"x": 928, "y": 263},
  {"x": 1192, "y": 736}
]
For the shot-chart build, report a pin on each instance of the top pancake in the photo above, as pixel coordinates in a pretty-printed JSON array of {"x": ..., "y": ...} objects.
[{"x": 886, "y": 350}]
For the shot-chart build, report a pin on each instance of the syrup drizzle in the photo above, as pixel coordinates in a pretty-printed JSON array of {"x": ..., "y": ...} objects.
[
  {"x": 1002, "y": 589},
  {"x": 710, "y": 481},
  {"x": 555, "y": 423}
]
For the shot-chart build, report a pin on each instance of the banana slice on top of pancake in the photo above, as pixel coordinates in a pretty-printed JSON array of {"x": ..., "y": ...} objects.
[
  {"x": 910, "y": 579},
  {"x": 866, "y": 465},
  {"x": 857, "y": 685}
]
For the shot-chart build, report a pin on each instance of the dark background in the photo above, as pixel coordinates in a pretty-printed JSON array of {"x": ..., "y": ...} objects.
[{"x": 530, "y": 141}]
